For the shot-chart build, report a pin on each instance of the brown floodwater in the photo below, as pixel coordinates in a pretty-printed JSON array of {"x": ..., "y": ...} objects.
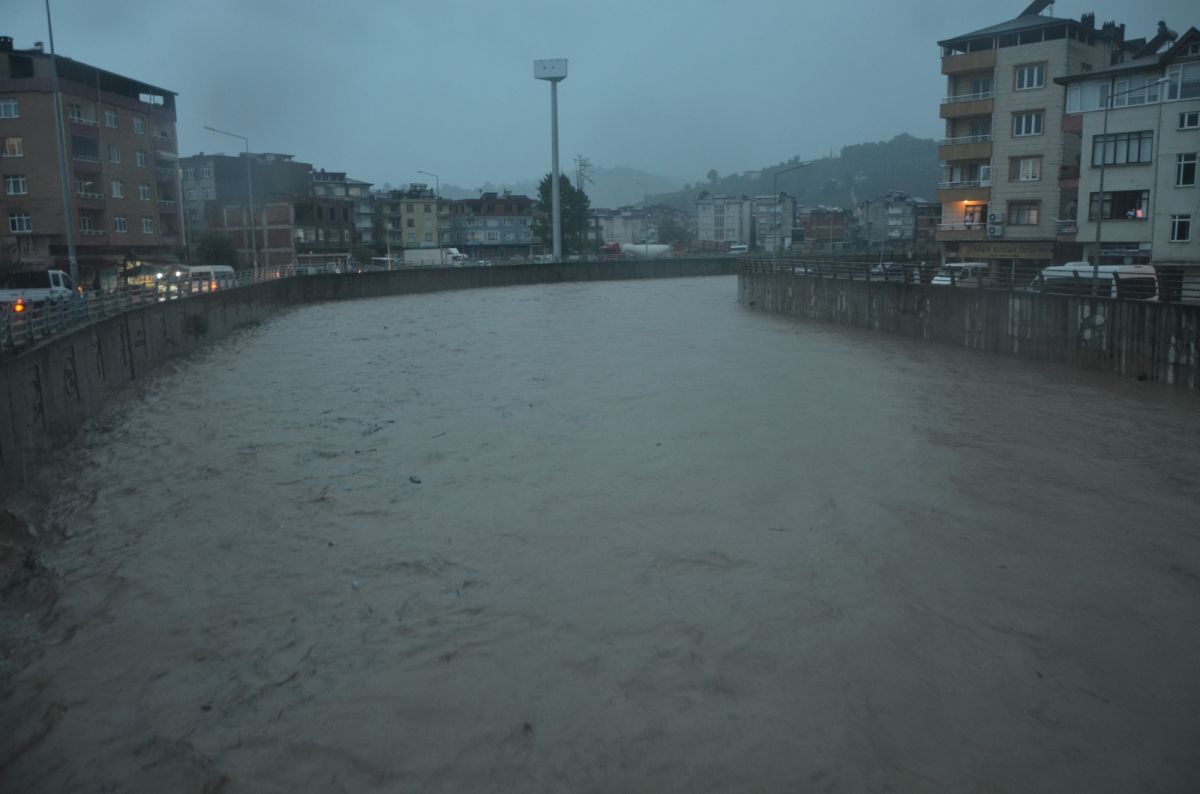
[{"x": 614, "y": 537}]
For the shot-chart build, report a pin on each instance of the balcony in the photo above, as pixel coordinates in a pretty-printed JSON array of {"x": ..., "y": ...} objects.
[
  {"x": 969, "y": 62},
  {"x": 964, "y": 105},
  {"x": 970, "y": 147},
  {"x": 1066, "y": 172},
  {"x": 968, "y": 190},
  {"x": 1066, "y": 227},
  {"x": 961, "y": 231}
]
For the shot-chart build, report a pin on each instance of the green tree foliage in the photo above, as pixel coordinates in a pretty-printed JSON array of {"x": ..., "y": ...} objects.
[
  {"x": 671, "y": 231},
  {"x": 216, "y": 248},
  {"x": 575, "y": 206}
]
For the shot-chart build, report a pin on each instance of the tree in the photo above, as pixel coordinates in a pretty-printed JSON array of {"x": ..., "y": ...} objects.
[
  {"x": 713, "y": 176},
  {"x": 575, "y": 206},
  {"x": 670, "y": 230},
  {"x": 362, "y": 255},
  {"x": 216, "y": 248}
]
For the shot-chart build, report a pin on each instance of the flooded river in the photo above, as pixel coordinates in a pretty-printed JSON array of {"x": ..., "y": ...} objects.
[{"x": 615, "y": 537}]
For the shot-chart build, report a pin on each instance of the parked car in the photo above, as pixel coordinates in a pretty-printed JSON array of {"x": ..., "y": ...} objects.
[
  {"x": 1131, "y": 282},
  {"x": 963, "y": 274},
  {"x": 892, "y": 271},
  {"x": 31, "y": 287}
]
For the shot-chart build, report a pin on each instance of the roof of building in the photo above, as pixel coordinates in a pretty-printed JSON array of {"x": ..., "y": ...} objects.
[
  {"x": 1145, "y": 63},
  {"x": 1011, "y": 26},
  {"x": 70, "y": 69}
]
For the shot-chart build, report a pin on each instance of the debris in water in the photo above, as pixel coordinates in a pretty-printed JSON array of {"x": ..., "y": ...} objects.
[{"x": 415, "y": 479}]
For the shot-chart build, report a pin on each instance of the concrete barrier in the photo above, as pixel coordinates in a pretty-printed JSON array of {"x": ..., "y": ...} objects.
[
  {"x": 1146, "y": 340},
  {"x": 50, "y": 390}
]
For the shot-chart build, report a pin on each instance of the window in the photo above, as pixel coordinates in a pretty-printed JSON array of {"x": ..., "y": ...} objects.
[
  {"x": 147, "y": 225},
  {"x": 189, "y": 173},
  {"x": 207, "y": 193},
  {"x": 114, "y": 153},
  {"x": 194, "y": 215},
  {"x": 118, "y": 189},
  {"x": 206, "y": 172},
  {"x": 144, "y": 192},
  {"x": 412, "y": 237},
  {"x": 1122, "y": 148},
  {"x": 75, "y": 112},
  {"x": 428, "y": 237},
  {"x": 1185, "y": 170},
  {"x": 84, "y": 148},
  {"x": 1025, "y": 169},
  {"x": 141, "y": 158},
  {"x": 14, "y": 147},
  {"x": 120, "y": 224},
  {"x": 1189, "y": 121},
  {"x": 409, "y": 208},
  {"x": 1120, "y": 205},
  {"x": 493, "y": 236},
  {"x": 15, "y": 185},
  {"x": 1181, "y": 228},
  {"x": 428, "y": 208},
  {"x": 9, "y": 109},
  {"x": 428, "y": 223},
  {"x": 410, "y": 223},
  {"x": 87, "y": 224},
  {"x": 139, "y": 125},
  {"x": 191, "y": 195},
  {"x": 110, "y": 118},
  {"x": 1025, "y": 124},
  {"x": 1030, "y": 76},
  {"x": 20, "y": 224},
  {"x": 1023, "y": 213},
  {"x": 1183, "y": 81}
]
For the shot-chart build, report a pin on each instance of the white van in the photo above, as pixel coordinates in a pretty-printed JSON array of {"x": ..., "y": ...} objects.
[
  {"x": 210, "y": 278},
  {"x": 963, "y": 274},
  {"x": 739, "y": 248},
  {"x": 1131, "y": 282}
]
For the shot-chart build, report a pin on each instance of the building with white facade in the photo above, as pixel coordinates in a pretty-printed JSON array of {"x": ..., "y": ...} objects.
[
  {"x": 723, "y": 220},
  {"x": 1139, "y": 121}
]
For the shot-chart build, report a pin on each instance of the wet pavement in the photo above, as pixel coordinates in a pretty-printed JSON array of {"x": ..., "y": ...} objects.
[{"x": 624, "y": 536}]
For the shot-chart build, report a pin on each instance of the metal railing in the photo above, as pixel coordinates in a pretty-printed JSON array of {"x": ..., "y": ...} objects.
[
  {"x": 950, "y": 100},
  {"x": 1160, "y": 284},
  {"x": 986, "y": 138},
  {"x": 966, "y": 183}
]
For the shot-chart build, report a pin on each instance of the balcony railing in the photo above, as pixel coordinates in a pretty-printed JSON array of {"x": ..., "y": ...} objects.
[
  {"x": 1066, "y": 225},
  {"x": 91, "y": 232},
  {"x": 167, "y": 202},
  {"x": 960, "y": 227},
  {"x": 950, "y": 100},
  {"x": 87, "y": 194},
  {"x": 967, "y": 139},
  {"x": 966, "y": 183},
  {"x": 1068, "y": 172},
  {"x": 81, "y": 120}
]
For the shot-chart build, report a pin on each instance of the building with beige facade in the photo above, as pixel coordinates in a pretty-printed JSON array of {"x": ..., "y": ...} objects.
[
  {"x": 1009, "y": 168},
  {"x": 1139, "y": 122},
  {"x": 122, "y": 166}
]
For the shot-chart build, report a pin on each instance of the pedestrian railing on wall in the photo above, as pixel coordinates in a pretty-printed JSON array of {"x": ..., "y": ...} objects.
[{"x": 1163, "y": 283}]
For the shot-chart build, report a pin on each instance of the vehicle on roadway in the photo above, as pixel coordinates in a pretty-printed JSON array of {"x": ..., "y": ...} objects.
[
  {"x": 1131, "y": 282},
  {"x": 210, "y": 278},
  {"x": 25, "y": 288},
  {"x": 973, "y": 275}
]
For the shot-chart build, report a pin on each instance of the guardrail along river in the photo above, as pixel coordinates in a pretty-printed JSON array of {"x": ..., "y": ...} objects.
[{"x": 613, "y": 536}]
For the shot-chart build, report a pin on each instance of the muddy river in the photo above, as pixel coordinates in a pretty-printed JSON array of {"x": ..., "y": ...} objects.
[{"x": 612, "y": 537}]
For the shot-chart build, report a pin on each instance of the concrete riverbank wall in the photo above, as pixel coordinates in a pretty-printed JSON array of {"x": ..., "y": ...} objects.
[
  {"x": 1140, "y": 339},
  {"x": 50, "y": 390}
]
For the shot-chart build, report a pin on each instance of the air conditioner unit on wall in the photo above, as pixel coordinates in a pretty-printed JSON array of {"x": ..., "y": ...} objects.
[
  {"x": 995, "y": 231},
  {"x": 996, "y": 218}
]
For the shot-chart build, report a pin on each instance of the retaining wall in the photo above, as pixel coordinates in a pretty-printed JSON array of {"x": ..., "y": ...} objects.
[
  {"x": 1147, "y": 340},
  {"x": 49, "y": 390}
]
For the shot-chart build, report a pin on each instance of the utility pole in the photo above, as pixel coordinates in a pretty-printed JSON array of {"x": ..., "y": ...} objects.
[
  {"x": 582, "y": 166},
  {"x": 60, "y": 127}
]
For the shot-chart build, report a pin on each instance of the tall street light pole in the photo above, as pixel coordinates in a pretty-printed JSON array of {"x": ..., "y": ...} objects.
[
  {"x": 249, "y": 193},
  {"x": 553, "y": 70},
  {"x": 60, "y": 128},
  {"x": 437, "y": 182},
  {"x": 645, "y": 217},
  {"x": 1108, "y": 103}
]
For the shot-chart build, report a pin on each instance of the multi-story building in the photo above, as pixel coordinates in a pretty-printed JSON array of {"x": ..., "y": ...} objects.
[
  {"x": 722, "y": 221},
  {"x": 772, "y": 219},
  {"x": 1005, "y": 148},
  {"x": 122, "y": 165},
  {"x": 1139, "y": 121},
  {"x": 412, "y": 218},
  {"x": 212, "y": 182},
  {"x": 494, "y": 225},
  {"x": 626, "y": 225}
]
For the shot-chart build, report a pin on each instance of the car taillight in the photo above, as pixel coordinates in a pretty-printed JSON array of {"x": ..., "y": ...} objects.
[
  {"x": 213, "y": 286},
  {"x": 19, "y": 307}
]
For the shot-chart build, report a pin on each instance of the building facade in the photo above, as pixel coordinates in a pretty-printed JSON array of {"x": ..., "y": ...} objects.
[
  {"x": 1138, "y": 193},
  {"x": 412, "y": 218},
  {"x": 495, "y": 225},
  {"x": 1006, "y": 157},
  {"x": 772, "y": 221},
  {"x": 722, "y": 221},
  {"x": 212, "y": 182},
  {"x": 122, "y": 164}
]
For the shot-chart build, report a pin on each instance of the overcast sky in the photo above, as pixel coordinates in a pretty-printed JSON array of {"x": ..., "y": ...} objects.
[{"x": 386, "y": 89}]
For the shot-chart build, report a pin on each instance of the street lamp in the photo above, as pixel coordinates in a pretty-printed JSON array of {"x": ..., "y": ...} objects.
[
  {"x": 437, "y": 190},
  {"x": 60, "y": 128},
  {"x": 553, "y": 70},
  {"x": 249, "y": 194},
  {"x": 775, "y": 192},
  {"x": 1108, "y": 102}
]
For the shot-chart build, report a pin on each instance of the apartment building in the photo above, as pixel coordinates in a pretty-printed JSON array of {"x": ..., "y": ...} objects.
[
  {"x": 494, "y": 225},
  {"x": 413, "y": 218},
  {"x": 722, "y": 221},
  {"x": 122, "y": 164},
  {"x": 212, "y": 182},
  {"x": 772, "y": 219},
  {"x": 1007, "y": 163},
  {"x": 1139, "y": 121}
]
